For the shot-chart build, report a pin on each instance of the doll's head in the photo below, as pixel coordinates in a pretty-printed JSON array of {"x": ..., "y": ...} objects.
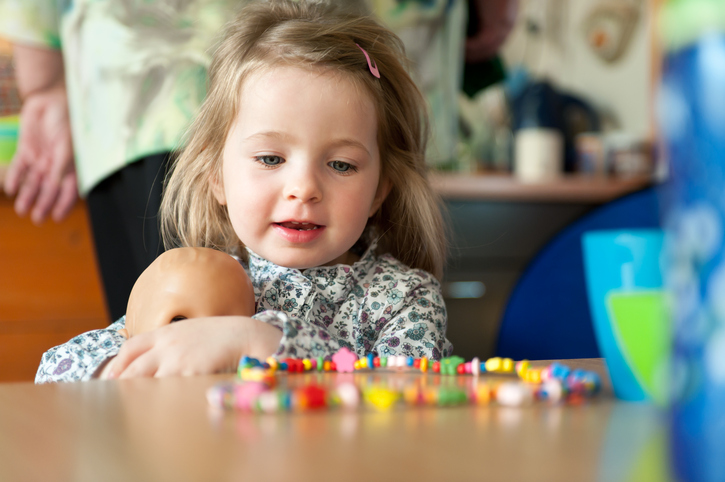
[
  {"x": 188, "y": 283},
  {"x": 279, "y": 39}
]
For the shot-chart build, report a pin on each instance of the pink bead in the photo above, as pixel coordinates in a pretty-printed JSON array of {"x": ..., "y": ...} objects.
[
  {"x": 344, "y": 359},
  {"x": 313, "y": 361},
  {"x": 467, "y": 367}
]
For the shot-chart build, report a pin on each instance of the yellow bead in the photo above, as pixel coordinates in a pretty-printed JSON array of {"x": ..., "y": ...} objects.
[
  {"x": 356, "y": 365},
  {"x": 307, "y": 364},
  {"x": 381, "y": 398},
  {"x": 493, "y": 364},
  {"x": 424, "y": 364},
  {"x": 363, "y": 362},
  {"x": 533, "y": 375},
  {"x": 272, "y": 362},
  {"x": 522, "y": 367},
  {"x": 507, "y": 365}
]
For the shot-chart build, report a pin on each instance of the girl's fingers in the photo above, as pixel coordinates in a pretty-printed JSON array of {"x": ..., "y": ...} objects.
[
  {"x": 145, "y": 365},
  {"x": 130, "y": 351}
]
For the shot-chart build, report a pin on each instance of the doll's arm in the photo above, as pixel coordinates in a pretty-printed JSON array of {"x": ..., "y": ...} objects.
[{"x": 81, "y": 357}]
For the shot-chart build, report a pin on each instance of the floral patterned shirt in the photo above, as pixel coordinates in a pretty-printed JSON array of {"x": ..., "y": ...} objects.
[{"x": 378, "y": 305}]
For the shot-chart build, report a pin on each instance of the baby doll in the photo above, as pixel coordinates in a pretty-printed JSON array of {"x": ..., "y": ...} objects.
[{"x": 188, "y": 283}]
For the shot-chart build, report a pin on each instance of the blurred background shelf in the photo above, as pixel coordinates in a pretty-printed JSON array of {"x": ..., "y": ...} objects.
[{"x": 572, "y": 188}]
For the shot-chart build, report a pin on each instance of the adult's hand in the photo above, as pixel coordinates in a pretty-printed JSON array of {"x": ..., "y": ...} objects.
[
  {"x": 496, "y": 19},
  {"x": 42, "y": 173}
]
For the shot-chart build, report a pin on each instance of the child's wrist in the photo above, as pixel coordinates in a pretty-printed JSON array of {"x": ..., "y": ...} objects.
[
  {"x": 263, "y": 341},
  {"x": 103, "y": 371}
]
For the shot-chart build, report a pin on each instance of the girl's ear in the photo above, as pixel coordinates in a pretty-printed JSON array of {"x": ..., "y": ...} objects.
[
  {"x": 218, "y": 190},
  {"x": 384, "y": 187}
]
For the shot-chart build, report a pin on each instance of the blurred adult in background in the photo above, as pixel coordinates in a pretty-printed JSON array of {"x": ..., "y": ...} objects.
[
  {"x": 489, "y": 24},
  {"x": 124, "y": 77},
  {"x": 109, "y": 87}
]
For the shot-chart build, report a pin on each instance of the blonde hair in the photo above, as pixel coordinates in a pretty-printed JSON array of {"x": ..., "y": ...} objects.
[{"x": 311, "y": 35}]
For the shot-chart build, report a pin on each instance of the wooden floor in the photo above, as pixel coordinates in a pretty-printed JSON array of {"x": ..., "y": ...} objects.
[{"x": 49, "y": 288}]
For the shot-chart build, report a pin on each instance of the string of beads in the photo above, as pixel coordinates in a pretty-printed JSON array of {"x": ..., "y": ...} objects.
[{"x": 553, "y": 383}]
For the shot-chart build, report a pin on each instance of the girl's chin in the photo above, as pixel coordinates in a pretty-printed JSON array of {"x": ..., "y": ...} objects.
[{"x": 305, "y": 262}]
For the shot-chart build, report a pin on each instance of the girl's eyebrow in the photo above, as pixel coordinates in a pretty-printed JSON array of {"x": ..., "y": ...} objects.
[
  {"x": 269, "y": 135},
  {"x": 342, "y": 142}
]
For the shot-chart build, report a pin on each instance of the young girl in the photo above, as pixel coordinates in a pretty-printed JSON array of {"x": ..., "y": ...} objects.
[{"x": 306, "y": 160}]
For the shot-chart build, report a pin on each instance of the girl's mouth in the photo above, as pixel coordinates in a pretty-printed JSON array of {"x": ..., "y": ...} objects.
[
  {"x": 297, "y": 232},
  {"x": 299, "y": 226}
]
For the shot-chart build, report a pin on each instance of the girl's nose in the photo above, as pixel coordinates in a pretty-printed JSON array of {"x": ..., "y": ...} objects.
[{"x": 303, "y": 186}]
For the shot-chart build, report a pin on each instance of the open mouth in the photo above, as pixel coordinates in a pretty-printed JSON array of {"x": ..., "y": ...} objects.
[{"x": 299, "y": 226}]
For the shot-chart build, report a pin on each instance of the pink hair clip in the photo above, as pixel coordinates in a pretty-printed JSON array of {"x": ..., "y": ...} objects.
[{"x": 371, "y": 63}]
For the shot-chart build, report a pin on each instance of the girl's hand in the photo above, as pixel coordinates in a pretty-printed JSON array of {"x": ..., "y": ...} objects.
[{"x": 195, "y": 347}]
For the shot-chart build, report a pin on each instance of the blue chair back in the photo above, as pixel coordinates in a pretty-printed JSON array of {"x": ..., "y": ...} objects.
[{"x": 547, "y": 315}]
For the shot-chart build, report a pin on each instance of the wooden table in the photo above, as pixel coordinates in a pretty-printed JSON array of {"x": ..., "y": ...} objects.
[{"x": 158, "y": 430}]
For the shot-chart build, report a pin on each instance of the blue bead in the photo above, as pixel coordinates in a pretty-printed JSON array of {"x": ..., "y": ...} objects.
[
  {"x": 559, "y": 371},
  {"x": 410, "y": 361},
  {"x": 370, "y": 361},
  {"x": 283, "y": 366}
]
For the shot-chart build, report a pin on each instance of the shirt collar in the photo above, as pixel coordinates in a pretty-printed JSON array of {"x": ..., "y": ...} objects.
[{"x": 263, "y": 271}]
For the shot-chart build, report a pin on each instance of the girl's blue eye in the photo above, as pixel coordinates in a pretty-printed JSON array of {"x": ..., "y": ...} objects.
[
  {"x": 341, "y": 166},
  {"x": 270, "y": 160}
]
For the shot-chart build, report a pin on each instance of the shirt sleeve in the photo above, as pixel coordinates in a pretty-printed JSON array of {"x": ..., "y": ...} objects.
[
  {"x": 301, "y": 339},
  {"x": 80, "y": 358},
  {"x": 31, "y": 22},
  {"x": 418, "y": 328}
]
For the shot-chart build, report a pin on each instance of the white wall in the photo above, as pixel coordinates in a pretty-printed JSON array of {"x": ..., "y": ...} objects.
[{"x": 560, "y": 53}]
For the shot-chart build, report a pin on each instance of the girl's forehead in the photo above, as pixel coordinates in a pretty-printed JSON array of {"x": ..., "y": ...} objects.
[
  {"x": 259, "y": 77},
  {"x": 306, "y": 102}
]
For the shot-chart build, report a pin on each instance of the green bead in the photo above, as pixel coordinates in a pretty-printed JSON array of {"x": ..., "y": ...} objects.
[
  {"x": 450, "y": 364},
  {"x": 383, "y": 361}
]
